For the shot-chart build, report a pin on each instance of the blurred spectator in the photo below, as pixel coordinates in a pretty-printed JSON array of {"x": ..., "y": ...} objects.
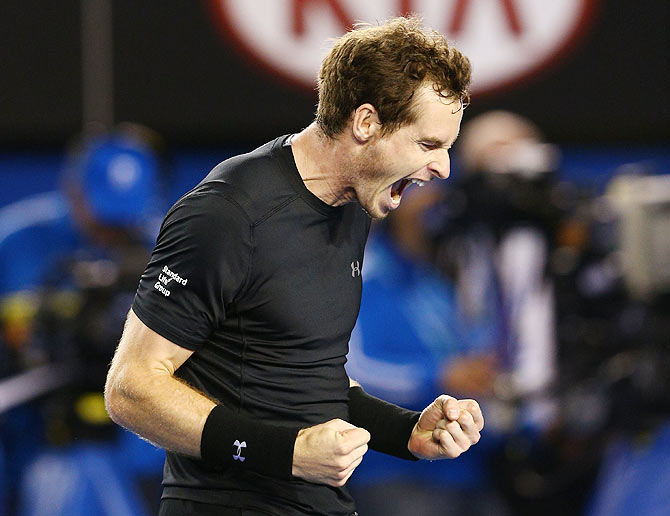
[
  {"x": 70, "y": 262},
  {"x": 409, "y": 344},
  {"x": 497, "y": 244},
  {"x": 626, "y": 275},
  {"x": 107, "y": 203},
  {"x": 582, "y": 309},
  {"x": 491, "y": 336},
  {"x": 504, "y": 219}
]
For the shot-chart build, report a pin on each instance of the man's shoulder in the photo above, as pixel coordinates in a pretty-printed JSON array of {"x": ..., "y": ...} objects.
[{"x": 255, "y": 183}]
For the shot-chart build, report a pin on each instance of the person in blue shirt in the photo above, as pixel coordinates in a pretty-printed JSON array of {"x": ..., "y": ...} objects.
[
  {"x": 410, "y": 342},
  {"x": 109, "y": 196},
  {"x": 63, "y": 256}
]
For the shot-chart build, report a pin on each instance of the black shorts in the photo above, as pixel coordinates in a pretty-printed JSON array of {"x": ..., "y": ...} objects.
[{"x": 174, "y": 507}]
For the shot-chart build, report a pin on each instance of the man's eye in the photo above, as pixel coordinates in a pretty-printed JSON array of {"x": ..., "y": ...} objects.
[{"x": 428, "y": 146}]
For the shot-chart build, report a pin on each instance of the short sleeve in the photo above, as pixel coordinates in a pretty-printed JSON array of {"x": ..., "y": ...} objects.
[{"x": 199, "y": 265}]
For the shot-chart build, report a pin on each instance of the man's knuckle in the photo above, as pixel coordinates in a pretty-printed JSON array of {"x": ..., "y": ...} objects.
[
  {"x": 453, "y": 426},
  {"x": 341, "y": 449},
  {"x": 467, "y": 417},
  {"x": 442, "y": 399}
]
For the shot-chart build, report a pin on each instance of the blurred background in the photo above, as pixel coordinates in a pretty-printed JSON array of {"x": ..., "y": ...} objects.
[{"x": 536, "y": 279}]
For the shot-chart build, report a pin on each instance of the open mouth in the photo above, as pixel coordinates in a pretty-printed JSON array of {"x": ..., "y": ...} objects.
[{"x": 400, "y": 186}]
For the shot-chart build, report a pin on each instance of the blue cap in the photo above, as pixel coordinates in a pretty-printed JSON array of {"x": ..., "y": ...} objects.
[{"x": 119, "y": 179}]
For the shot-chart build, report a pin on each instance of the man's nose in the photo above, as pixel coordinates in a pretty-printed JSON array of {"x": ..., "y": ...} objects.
[{"x": 440, "y": 167}]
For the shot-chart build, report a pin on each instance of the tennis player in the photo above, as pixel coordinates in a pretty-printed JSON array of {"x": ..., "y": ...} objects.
[{"x": 232, "y": 357}]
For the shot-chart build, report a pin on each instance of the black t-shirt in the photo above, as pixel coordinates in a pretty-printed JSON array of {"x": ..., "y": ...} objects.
[{"x": 262, "y": 280}]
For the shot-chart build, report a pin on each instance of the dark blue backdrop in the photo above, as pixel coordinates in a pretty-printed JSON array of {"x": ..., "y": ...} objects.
[{"x": 23, "y": 174}]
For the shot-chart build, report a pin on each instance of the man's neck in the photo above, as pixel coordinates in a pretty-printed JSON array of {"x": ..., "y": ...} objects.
[{"x": 324, "y": 165}]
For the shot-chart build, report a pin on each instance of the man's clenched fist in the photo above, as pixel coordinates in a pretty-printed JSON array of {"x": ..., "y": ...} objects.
[
  {"x": 446, "y": 428},
  {"x": 329, "y": 453}
]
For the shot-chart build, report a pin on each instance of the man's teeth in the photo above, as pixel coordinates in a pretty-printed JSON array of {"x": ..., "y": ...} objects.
[{"x": 399, "y": 186}]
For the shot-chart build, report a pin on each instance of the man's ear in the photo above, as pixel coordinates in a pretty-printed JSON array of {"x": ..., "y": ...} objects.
[{"x": 366, "y": 123}]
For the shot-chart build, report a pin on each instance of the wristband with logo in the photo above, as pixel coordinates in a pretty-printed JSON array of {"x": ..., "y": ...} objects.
[{"x": 230, "y": 439}]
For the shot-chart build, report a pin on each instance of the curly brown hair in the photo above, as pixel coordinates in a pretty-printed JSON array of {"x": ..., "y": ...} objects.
[{"x": 384, "y": 65}]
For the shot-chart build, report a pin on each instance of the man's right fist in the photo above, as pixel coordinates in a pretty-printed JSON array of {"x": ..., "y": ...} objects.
[{"x": 329, "y": 453}]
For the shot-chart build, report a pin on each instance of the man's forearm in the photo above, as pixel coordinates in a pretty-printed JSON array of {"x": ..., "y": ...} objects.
[
  {"x": 158, "y": 407},
  {"x": 389, "y": 425},
  {"x": 143, "y": 395}
]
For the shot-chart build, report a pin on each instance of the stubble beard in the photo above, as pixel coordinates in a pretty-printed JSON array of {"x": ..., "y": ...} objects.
[{"x": 366, "y": 172}]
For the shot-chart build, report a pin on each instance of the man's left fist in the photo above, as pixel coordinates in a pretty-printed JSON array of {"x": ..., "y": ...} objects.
[{"x": 446, "y": 428}]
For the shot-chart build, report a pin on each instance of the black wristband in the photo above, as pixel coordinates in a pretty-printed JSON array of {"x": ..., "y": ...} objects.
[
  {"x": 230, "y": 439},
  {"x": 390, "y": 426}
]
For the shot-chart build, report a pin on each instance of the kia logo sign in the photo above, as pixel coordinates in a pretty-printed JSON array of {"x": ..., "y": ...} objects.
[{"x": 507, "y": 40}]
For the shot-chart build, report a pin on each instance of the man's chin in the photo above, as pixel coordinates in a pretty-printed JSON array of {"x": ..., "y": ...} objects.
[
  {"x": 377, "y": 208},
  {"x": 376, "y": 213}
]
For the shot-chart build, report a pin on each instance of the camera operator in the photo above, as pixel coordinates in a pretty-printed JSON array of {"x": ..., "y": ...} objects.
[{"x": 70, "y": 260}]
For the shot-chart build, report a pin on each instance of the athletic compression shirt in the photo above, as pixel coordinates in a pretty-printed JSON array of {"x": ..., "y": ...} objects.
[{"x": 263, "y": 281}]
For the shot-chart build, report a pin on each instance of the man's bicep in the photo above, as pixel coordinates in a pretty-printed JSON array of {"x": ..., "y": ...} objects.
[{"x": 144, "y": 348}]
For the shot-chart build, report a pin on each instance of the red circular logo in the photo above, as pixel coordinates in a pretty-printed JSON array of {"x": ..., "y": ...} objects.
[{"x": 507, "y": 41}]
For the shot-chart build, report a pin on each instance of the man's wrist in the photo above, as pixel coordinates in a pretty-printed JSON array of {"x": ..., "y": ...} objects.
[
  {"x": 390, "y": 426},
  {"x": 230, "y": 439}
]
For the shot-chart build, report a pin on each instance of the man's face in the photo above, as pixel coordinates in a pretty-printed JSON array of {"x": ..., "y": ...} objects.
[{"x": 413, "y": 154}]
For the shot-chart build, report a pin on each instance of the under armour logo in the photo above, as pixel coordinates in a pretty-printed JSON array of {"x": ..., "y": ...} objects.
[
  {"x": 355, "y": 269},
  {"x": 239, "y": 445}
]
